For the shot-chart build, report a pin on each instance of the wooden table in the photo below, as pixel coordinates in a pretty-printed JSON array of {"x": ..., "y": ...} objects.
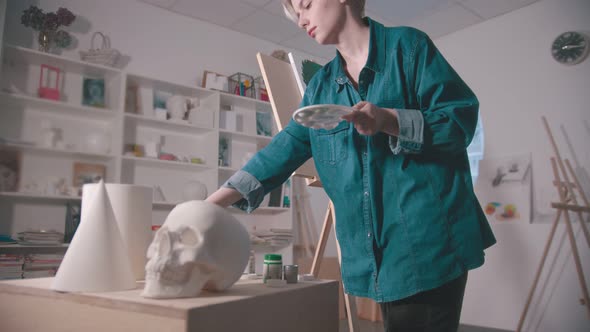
[{"x": 30, "y": 305}]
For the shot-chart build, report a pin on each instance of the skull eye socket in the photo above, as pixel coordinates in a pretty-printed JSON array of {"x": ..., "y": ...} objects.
[
  {"x": 163, "y": 240},
  {"x": 188, "y": 237}
]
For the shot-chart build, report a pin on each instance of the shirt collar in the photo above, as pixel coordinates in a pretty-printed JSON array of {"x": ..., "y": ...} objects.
[{"x": 376, "y": 58}]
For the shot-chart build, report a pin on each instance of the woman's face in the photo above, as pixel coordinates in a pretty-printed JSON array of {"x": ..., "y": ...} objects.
[{"x": 321, "y": 19}]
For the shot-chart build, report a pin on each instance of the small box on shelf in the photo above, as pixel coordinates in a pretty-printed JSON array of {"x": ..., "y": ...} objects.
[
  {"x": 260, "y": 89},
  {"x": 228, "y": 120},
  {"x": 242, "y": 85},
  {"x": 49, "y": 82}
]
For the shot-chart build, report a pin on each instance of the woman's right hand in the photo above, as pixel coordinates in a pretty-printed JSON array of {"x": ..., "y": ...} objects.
[{"x": 224, "y": 197}]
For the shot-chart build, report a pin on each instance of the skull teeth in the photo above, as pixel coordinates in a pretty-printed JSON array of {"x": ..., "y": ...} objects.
[{"x": 169, "y": 276}]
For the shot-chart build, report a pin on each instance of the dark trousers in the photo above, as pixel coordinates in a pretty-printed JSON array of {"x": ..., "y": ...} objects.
[{"x": 437, "y": 309}]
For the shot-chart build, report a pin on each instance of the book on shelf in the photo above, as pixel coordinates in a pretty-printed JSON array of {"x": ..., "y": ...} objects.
[
  {"x": 275, "y": 237},
  {"x": 263, "y": 123},
  {"x": 40, "y": 237},
  {"x": 11, "y": 266}
]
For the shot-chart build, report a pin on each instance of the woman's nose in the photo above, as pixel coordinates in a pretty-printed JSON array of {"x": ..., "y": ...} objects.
[{"x": 303, "y": 22}]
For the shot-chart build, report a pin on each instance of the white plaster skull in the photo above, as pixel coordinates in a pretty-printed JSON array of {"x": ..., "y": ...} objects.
[{"x": 199, "y": 246}]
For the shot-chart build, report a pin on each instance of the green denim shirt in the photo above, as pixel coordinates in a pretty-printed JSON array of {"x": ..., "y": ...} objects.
[{"x": 407, "y": 219}]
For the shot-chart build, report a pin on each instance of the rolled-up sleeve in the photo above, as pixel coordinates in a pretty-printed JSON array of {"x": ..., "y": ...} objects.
[
  {"x": 250, "y": 188},
  {"x": 411, "y": 132}
]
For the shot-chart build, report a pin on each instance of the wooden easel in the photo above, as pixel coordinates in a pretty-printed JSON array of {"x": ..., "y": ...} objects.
[
  {"x": 285, "y": 98},
  {"x": 567, "y": 203}
]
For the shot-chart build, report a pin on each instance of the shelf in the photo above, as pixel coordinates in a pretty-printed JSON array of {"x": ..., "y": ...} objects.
[
  {"x": 151, "y": 162},
  {"x": 33, "y": 57},
  {"x": 228, "y": 99},
  {"x": 29, "y": 249},
  {"x": 267, "y": 247},
  {"x": 57, "y": 199},
  {"x": 226, "y": 169},
  {"x": 159, "y": 85},
  {"x": 56, "y": 152},
  {"x": 25, "y": 110},
  {"x": 58, "y": 107},
  {"x": 164, "y": 205},
  {"x": 263, "y": 210},
  {"x": 245, "y": 137},
  {"x": 176, "y": 127}
]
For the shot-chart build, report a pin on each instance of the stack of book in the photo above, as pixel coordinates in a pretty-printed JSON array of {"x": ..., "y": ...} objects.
[
  {"x": 11, "y": 266},
  {"x": 40, "y": 237},
  {"x": 41, "y": 265},
  {"x": 274, "y": 237}
]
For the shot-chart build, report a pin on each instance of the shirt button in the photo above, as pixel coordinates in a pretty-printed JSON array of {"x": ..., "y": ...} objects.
[
  {"x": 366, "y": 193},
  {"x": 369, "y": 234}
]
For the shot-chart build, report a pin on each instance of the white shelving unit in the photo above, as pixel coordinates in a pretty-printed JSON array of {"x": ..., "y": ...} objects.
[{"x": 195, "y": 143}]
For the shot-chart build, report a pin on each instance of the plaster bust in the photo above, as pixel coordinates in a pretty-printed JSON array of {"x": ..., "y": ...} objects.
[{"x": 199, "y": 246}]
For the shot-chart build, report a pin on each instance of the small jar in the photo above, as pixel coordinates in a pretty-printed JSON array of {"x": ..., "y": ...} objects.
[
  {"x": 290, "y": 273},
  {"x": 273, "y": 267}
]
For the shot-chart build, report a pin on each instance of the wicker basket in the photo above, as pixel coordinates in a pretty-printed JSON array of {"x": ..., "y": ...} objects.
[{"x": 105, "y": 55}]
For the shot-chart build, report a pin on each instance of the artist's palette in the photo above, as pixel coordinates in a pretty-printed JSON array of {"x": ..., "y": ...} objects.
[{"x": 324, "y": 116}]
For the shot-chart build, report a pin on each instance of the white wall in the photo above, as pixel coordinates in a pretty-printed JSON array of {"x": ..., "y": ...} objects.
[{"x": 507, "y": 61}]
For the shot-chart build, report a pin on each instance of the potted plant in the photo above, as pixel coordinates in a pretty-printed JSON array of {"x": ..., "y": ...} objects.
[{"x": 48, "y": 25}]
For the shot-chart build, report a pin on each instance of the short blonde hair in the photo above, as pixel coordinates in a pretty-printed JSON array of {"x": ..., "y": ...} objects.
[{"x": 291, "y": 14}]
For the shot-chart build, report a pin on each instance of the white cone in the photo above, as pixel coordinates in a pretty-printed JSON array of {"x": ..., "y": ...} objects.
[
  {"x": 132, "y": 207},
  {"x": 97, "y": 259}
]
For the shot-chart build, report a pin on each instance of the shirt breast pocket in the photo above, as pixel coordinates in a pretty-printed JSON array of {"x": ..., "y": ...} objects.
[{"x": 331, "y": 146}]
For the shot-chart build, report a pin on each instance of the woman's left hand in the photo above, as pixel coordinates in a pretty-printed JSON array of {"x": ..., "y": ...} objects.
[{"x": 368, "y": 119}]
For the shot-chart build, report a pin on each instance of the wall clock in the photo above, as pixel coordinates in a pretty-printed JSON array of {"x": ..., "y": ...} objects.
[{"x": 570, "y": 48}]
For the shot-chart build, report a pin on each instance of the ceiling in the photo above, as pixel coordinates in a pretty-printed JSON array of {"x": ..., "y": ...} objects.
[{"x": 265, "y": 19}]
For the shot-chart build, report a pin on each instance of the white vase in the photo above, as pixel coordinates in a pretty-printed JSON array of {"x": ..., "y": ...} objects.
[{"x": 194, "y": 190}]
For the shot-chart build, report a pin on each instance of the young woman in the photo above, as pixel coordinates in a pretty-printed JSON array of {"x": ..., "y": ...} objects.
[{"x": 396, "y": 169}]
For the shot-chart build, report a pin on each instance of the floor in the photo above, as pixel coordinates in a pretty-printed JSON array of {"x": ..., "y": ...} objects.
[{"x": 368, "y": 326}]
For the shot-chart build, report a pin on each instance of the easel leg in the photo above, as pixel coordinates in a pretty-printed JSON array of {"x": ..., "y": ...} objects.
[
  {"x": 572, "y": 237},
  {"x": 349, "y": 302},
  {"x": 566, "y": 193},
  {"x": 576, "y": 255},
  {"x": 539, "y": 269},
  {"x": 584, "y": 198}
]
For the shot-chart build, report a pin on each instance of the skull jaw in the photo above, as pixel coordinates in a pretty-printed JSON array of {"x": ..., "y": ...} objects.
[
  {"x": 156, "y": 290},
  {"x": 159, "y": 287}
]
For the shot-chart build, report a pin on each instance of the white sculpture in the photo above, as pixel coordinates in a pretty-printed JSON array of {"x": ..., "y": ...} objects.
[
  {"x": 177, "y": 107},
  {"x": 200, "y": 246}
]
